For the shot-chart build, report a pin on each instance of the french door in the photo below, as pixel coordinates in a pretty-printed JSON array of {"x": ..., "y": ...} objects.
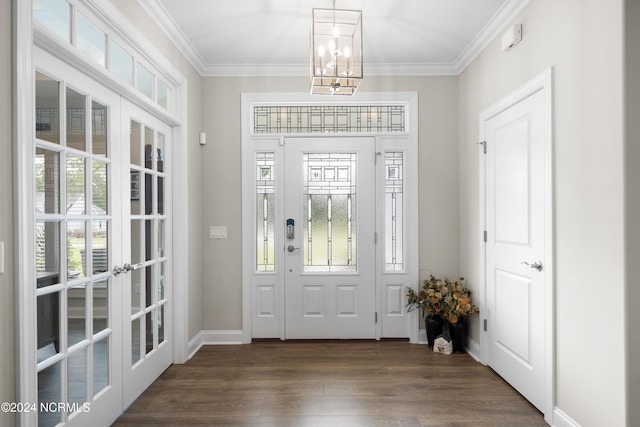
[
  {"x": 103, "y": 317},
  {"x": 330, "y": 280}
]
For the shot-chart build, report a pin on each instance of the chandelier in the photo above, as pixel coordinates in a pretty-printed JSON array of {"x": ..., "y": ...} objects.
[{"x": 336, "y": 51}]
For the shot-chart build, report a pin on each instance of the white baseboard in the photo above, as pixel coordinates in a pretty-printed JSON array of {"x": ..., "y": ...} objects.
[
  {"x": 213, "y": 338},
  {"x": 560, "y": 419},
  {"x": 473, "y": 349}
]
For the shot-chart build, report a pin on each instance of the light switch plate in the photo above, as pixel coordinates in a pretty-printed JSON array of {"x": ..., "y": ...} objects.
[{"x": 217, "y": 232}]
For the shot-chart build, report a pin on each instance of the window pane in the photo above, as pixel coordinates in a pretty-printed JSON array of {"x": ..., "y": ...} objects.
[
  {"x": 100, "y": 305},
  {"x": 90, "y": 40},
  {"x": 151, "y": 330},
  {"x": 76, "y": 315},
  {"x": 48, "y": 307},
  {"x": 394, "y": 212},
  {"x": 47, "y": 167},
  {"x": 77, "y": 378},
  {"x": 48, "y": 253},
  {"x": 329, "y": 212},
  {"x": 76, "y": 249},
  {"x": 135, "y": 143},
  {"x": 136, "y": 281},
  {"x": 160, "y": 153},
  {"x": 49, "y": 395},
  {"x": 101, "y": 365},
  {"x": 99, "y": 246},
  {"x": 265, "y": 211},
  {"x": 144, "y": 81},
  {"x": 98, "y": 129},
  {"x": 121, "y": 63},
  {"x": 99, "y": 188},
  {"x": 164, "y": 95},
  {"x": 55, "y": 15},
  {"x": 75, "y": 185},
  {"x": 47, "y": 109},
  {"x": 76, "y": 120},
  {"x": 136, "y": 333}
]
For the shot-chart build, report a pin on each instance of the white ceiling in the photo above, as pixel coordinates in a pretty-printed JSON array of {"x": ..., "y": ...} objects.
[{"x": 271, "y": 37}]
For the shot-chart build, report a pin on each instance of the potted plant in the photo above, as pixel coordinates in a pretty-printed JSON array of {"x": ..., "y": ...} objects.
[
  {"x": 443, "y": 301},
  {"x": 458, "y": 308},
  {"x": 431, "y": 299}
]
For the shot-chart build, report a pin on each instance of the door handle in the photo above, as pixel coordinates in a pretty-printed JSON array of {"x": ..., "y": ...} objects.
[
  {"x": 128, "y": 267},
  {"x": 537, "y": 265},
  {"x": 292, "y": 248},
  {"x": 117, "y": 270}
]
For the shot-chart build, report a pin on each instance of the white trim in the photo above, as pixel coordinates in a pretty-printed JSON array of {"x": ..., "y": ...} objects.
[
  {"x": 158, "y": 13},
  {"x": 473, "y": 349},
  {"x": 24, "y": 208},
  {"x": 214, "y": 337},
  {"x": 561, "y": 419},
  {"x": 542, "y": 82}
]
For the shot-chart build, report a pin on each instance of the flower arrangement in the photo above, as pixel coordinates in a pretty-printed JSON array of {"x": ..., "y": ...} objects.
[{"x": 451, "y": 300}]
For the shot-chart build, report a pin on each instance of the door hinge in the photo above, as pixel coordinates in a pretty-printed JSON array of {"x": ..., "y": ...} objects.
[
  {"x": 484, "y": 146},
  {"x": 375, "y": 237},
  {"x": 375, "y": 158},
  {"x": 485, "y": 236},
  {"x": 485, "y": 325},
  {"x": 375, "y": 317}
]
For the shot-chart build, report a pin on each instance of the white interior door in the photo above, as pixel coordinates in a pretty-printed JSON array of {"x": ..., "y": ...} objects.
[
  {"x": 146, "y": 200},
  {"x": 78, "y": 240},
  {"x": 104, "y": 320},
  {"x": 330, "y": 251},
  {"x": 515, "y": 248}
]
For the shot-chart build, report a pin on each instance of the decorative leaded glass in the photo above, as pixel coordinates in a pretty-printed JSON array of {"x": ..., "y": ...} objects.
[
  {"x": 329, "y": 212},
  {"x": 329, "y": 119},
  {"x": 265, "y": 211},
  {"x": 394, "y": 211}
]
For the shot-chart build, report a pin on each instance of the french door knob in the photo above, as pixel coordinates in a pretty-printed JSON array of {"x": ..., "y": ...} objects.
[
  {"x": 128, "y": 267},
  {"x": 117, "y": 270},
  {"x": 537, "y": 265},
  {"x": 292, "y": 248}
]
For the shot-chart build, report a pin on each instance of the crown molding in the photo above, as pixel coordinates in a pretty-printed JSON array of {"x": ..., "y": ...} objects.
[{"x": 166, "y": 23}]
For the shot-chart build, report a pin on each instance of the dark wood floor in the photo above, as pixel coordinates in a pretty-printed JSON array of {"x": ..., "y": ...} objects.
[{"x": 330, "y": 383}]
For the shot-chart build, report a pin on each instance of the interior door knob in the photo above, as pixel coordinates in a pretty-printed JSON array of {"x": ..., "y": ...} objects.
[
  {"x": 291, "y": 248},
  {"x": 537, "y": 265}
]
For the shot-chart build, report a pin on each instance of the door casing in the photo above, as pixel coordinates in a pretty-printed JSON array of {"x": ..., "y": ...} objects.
[{"x": 542, "y": 82}]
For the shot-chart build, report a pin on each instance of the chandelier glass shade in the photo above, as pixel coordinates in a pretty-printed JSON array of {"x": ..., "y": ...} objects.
[{"x": 336, "y": 51}]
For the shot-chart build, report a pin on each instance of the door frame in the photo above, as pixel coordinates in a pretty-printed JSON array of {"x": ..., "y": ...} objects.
[
  {"x": 395, "y": 284},
  {"x": 25, "y": 36},
  {"x": 542, "y": 82}
]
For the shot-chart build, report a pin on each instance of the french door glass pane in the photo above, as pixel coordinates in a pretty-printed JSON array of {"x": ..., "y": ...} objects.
[
  {"x": 99, "y": 129},
  {"x": 100, "y": 305},
  {"x": 76, "y": 120},
  {"x": 77, "y": 378},
  {"x": 75, "y": 185},
  {"x": 50, "y": 393},
  {"x": 135, "y": 143},
  {"x": 47, "y": 169},
  {"x": 99, "y": 188},
  {"x": 76, "y": 249},
  {"x": 76, "y": 315},
  {"x": 136, "y": 281},
  {"x": 101, "y": 374},
  {"x": 48, "y": 321},
  {"x": 136, "y": 325},
  {"x": 47, "y": 109},
  {"x": 48, "y": 252},
  {"x": 100, "y": 246}
]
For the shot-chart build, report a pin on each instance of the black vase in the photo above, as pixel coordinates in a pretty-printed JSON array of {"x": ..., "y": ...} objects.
[
  {"x": 434, "y": 324},
  {"x": 458, "y": 334}
]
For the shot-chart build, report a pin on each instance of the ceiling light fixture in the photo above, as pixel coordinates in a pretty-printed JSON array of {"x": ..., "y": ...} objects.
[{"x": 336, "y": 51}]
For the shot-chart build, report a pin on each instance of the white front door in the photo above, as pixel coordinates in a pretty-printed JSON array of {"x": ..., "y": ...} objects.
[
  {"x": 515, "y": 246},
  {"x": 329, "y": 245}
]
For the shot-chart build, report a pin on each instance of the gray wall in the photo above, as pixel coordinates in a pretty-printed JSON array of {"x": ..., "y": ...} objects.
[
  {"x": 221, "y": 170},
  {"x": 7, "y": 285},
  {"x": 581, "y": 39},
  {"x": 632, "y": 197}
]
